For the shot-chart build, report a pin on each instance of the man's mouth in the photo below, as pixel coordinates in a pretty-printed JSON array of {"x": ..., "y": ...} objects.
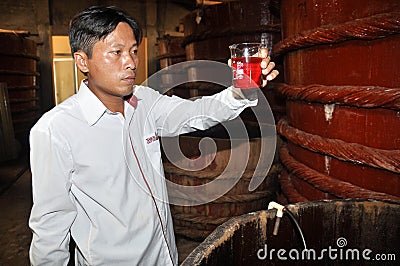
[{"x": 130, "y": 79}]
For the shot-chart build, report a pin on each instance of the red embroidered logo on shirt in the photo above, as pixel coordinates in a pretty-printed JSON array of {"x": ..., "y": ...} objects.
[
  {"x": 152, "y": 138},
  {"x": 133, "y": 101}
]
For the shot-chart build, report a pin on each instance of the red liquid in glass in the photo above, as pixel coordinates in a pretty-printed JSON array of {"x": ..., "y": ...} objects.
[{"x": 246, "y": 72}]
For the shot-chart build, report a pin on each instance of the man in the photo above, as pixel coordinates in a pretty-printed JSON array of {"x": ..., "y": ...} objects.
[{"x": 96, "y": 177}]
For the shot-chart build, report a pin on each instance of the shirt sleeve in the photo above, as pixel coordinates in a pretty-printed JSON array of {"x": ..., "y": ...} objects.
[
  {"x": 53, "y": 211},
  {"x": 175, "y": 116}
]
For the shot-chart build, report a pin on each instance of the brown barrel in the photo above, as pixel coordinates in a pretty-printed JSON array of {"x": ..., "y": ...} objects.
[
  {"x": 197, "y": 222},
  {"x": 18, "y": 68},
  {"x": 345, "y": 229},
  {"x": 224, "y": 24},
  {"x": 8, "y": 149},
  {"x": 170, "y": 51},
  {"x": 228, "y": 23},
  {"x": 342, "y": 85}
]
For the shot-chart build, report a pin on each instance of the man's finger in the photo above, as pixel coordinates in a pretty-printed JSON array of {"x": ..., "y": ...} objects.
[
  {"x": 272, "y": 75},
  {"x": 268, "y": 69},
  {"x": 263, "y": 52},
  {"x": 265, "y": 62}
]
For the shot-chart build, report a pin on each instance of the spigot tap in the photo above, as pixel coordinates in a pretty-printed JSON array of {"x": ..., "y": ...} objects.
[{"x": 279, "y": 213}]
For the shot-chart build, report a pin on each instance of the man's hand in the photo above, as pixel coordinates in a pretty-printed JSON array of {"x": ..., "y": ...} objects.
[
  {"x": 268, "y": 74},
  {"x": 268, "y": 71}
]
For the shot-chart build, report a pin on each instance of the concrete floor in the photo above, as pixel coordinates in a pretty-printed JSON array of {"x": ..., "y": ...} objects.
[{"x": 15, "y": 205}]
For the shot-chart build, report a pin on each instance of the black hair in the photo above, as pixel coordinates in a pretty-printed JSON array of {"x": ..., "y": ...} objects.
[{"x": 96, "y": 23}]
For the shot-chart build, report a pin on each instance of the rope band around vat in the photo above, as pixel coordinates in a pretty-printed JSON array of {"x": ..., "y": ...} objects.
[
  {"x": 327, "y": 184},
  {"x": 369, "y": 28},
  {"x": 339, "y": 149},
  {"x": 358, "y": 96}
]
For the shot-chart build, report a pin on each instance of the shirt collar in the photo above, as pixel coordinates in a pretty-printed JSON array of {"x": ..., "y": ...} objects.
[{"x": 92, "y": 108}]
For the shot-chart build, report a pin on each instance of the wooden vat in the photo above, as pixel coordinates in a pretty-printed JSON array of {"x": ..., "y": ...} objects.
[
  {"x": 342, "y": 86},
  {"x": 224, "y": 24},
  {"x": 170, "y": 51},
  {"x": 18, "y": 68},
  {"x": 8, "y": 149},
  {"x": 197, "y": 222},
  {"x": 228, "y": 23},
  {"x": 346, "y": 227}
]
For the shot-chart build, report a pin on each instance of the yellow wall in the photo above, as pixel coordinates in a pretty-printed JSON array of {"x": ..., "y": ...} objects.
[
  {"x": 61, "y": 46},
  {"x": 142, "y": 72}
]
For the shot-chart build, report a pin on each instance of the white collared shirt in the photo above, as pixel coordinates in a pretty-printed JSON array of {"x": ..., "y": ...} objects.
[{"x": 90, "y": 167}]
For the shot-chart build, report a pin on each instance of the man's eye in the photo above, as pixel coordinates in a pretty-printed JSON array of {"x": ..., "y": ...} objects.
[
  {"x": 135, "y": 52},
  {"x": 117, "y": 52}
]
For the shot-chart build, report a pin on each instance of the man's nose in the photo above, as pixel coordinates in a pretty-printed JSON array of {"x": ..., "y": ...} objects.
[{"x": 130, "y": 61}]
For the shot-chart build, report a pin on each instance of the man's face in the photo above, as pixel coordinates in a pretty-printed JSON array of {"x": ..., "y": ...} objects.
[{"x": 112, "y": 67}]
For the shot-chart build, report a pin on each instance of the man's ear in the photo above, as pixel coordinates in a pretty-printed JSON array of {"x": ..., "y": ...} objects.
[{"x": 81, "y": 60}]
